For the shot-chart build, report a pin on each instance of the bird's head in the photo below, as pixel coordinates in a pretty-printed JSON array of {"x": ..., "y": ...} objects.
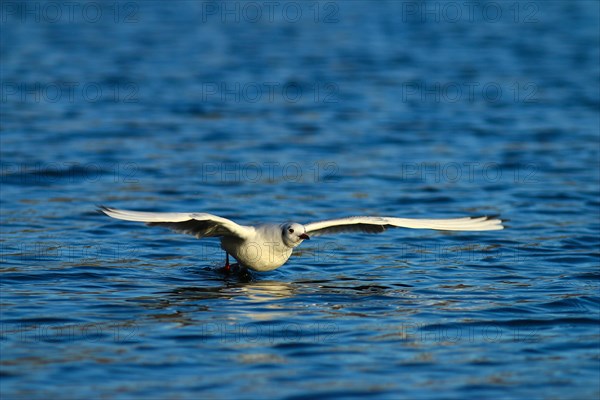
[{"x": 293, "y": 234}]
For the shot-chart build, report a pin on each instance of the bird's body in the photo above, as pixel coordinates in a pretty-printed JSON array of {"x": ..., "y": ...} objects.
[
  {"x": 268, "y": 246},
  {"x": 262, "y": 251}
]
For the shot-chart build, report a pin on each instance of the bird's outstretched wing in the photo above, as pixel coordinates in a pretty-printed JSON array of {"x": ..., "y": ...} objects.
[
  {"x": 380, "y": 224},
  {"x": 197, "y": 224}
]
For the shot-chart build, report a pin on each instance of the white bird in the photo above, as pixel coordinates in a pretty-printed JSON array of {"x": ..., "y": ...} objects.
[{"x": 268, "y": 246}]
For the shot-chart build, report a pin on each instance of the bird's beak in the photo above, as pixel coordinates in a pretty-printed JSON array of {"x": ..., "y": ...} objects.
[{"x": 304, "y": 236}]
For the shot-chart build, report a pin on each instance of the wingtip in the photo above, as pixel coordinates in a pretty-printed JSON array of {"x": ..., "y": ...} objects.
[
  {"x": 101, "y": 209},
  {"x": 497, "y": 223},
  {"x": 487, "y": 217}
]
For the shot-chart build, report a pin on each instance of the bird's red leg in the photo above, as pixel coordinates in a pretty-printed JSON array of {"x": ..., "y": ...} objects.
[{"x": 227, "y": 267}]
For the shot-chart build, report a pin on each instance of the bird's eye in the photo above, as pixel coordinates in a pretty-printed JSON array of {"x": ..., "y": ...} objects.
[{"x": 290, "y": 230}]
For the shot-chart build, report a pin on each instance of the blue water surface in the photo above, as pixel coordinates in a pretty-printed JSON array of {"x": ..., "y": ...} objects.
[{"x": 276, "y": 111}]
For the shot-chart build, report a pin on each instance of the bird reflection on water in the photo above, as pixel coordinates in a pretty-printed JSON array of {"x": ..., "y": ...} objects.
[{"x": 253, "y": 290}]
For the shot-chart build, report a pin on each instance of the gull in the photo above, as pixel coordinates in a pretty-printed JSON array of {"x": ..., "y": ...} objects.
[{"x": 267, "y": 247}]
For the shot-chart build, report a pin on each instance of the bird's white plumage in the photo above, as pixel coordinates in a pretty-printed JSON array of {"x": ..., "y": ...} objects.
[
  {"x": 185, "y": 222},
  {"x": 351, "y": 224},
  {"x": 268, "y": 246}
]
